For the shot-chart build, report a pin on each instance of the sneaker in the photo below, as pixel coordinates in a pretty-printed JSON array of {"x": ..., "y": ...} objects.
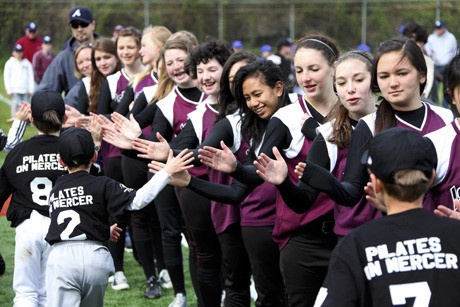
[
  {"x": 164, "y": 279},
  {"x": 152, "y": 289},
  {"x": 3, "y": 266},
  {"x": 180, "y": 300},
  {"x": 119, "y": 281},
  {"x": 111, "y": 279}
]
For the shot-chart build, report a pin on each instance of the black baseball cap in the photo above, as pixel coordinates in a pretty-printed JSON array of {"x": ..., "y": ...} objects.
[
  {"x": 31, "y": 26},
  {"x": 44, "y": 101},
  {"x": 397, "y": 149},
  {"x": 439, "y": 24},
  {"x": 18, "y": 48},
  {"x": 82, "y": 14},
  {"x": 76, "y": 146}
]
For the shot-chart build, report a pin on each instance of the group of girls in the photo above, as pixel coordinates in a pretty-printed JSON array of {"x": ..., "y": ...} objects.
[{"x": 278, "y": 177}]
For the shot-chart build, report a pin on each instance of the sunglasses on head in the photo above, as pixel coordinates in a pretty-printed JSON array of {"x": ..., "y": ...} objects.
[{"x": 76, "y": 24}]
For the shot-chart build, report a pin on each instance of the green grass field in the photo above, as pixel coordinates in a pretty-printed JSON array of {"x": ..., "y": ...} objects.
[{"x": 133, "y": 271}]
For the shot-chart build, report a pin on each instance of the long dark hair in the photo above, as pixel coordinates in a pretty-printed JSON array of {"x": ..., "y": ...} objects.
[
  {"x": 227, "y": 104},
  {"x": 103, "y": 44},
  {"x": 385, "y": 117},
  {"x": 252, "y": 126},
  {"x": 342, "y": 127}
]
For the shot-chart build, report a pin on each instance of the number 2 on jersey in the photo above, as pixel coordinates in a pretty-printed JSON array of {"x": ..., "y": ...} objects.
[{"x": 74, "y": 221}]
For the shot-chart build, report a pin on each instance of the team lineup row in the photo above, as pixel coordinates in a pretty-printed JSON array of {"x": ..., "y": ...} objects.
[{"x": 275, "y": 179}]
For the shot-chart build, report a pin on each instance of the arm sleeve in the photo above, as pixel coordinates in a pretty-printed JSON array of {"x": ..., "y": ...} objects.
[
  {"x": 15, "y": 134},
  {"x": 349, "y": 191},
  {"x": 83, "y": 100},
  {"x": 276, "y": 135},
  {"x": 221, "y": 131},
  {"x": 139, "y": 104},
  {"x": 302, "y": 197},
  {"x": 105, "y": 98},
  {"x": 161, "y": 125},
  {"x": 150, "y": 190},
  {"x": 123, "y": 105},
  {"x": 309, "y": 128},
  {"x": 5, "y": 187},
  {"x": 345, "y": 283},
  {"x": 145, "y": 116},
  {"x": 71, "y": 98},
  {"x": 232, "y": 194},
  {"x": 185, "y": 139}
]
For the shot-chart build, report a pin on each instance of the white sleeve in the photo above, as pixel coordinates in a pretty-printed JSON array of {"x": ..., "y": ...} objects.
[
  {"x": 150, "y": 190},
  {"x": 15, "y": 134},
  {"x": 6, "y": 76}
]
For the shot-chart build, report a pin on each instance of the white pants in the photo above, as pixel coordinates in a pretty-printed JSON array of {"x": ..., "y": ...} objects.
[
  {"x": 30, "y": 257},
  {"x": 77, "y": 274}
]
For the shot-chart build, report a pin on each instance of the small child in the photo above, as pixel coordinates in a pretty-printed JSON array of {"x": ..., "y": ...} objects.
[
  {"x": 80, "y": 204},
  {"x": 18, "y": 75},
  {"x": 43, "y": 58}
]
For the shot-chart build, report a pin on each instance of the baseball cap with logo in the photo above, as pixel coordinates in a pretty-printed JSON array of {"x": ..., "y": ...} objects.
[
  {"x": 397, "y": 149},
  {"x": 18, "y": 48},
  {"x": 82, "y": 14},
  {"x": 44, "y": 101},
  {"x": 76, "y": 146},
  {"x": 439, "y": 24},
  {"x": 31, "y": 26},
  {"x": 46, "y": 39}
]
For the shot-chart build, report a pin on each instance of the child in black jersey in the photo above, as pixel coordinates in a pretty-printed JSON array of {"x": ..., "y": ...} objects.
[
  {"x": 80, "y": 205},
  {"x": 397, "y": 258}
]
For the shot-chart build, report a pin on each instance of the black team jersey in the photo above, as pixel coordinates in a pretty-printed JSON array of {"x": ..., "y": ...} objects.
[
  {"x": 404, "y": 259},
  {"x": 29, "y": 172},
  {"x": 80, "y": 204}
]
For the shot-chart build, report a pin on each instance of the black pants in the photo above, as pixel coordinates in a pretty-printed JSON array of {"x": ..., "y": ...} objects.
[
  {"x": 172, "y": 225},
  {"x": 117, "y": 249},
  {"x": 197, "y": 215},
  {"x": 145, "y": 225},
  {"x": 237, "y": 267},
  {"x": 304, "y": 261},
  {"x": 264, "y": 257}
]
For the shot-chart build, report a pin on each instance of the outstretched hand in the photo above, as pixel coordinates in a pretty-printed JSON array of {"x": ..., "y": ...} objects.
[
  {"x": 222, "y": 160},
  {"x": 152, "y": 150},
  {"x": 272, "y": 171},
  {"x": 129, "y": 128},
  {"x": 72, "y": 116},
  {"x": 176, "y": 167},
  {"x": 444, "y": 211}
]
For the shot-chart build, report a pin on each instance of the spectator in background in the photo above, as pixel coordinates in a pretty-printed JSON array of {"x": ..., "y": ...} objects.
[
  {"x": 116, "y": 32},
  {"x": 60, "y": 76},
  {"x": 237, "y": 46},
  {"x": 265, "y": 52},
  {"x": 420, "y": 35},
  {"x": 441, "y": 47},
  {"x": 30, "y": 42},
  {"x": 284, "y": 52},
  {"x": 18, "y": 76},
  {"x": 43, "y": 58}
]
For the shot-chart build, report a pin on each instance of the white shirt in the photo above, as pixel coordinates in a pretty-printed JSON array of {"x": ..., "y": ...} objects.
[
  {"x": 19, "y": 76},
  {"x": 441, "y": 49}
]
